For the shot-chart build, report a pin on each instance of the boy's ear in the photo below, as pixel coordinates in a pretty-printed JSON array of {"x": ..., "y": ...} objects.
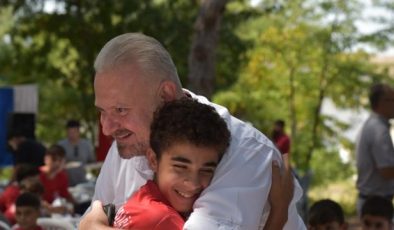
[
  {"x": 152, "y": 159},
  {"x": 168, "y": 91}
]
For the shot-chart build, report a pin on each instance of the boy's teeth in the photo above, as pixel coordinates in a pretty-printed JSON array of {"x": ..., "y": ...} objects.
[{"x": 185, "y": 195}]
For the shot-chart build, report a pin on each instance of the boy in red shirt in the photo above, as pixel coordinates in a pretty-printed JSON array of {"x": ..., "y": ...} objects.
[
  {"x": 187, "y": 142},
  {"x": 53, "y": 176}
]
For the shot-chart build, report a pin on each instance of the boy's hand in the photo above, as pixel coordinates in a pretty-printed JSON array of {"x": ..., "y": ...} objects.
[
  {"x": 281, "y": 194},
  {"x": 95, "y": 219}
]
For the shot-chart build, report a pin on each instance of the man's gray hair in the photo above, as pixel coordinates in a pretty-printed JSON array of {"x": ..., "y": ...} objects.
[{"x": 136, "y": 48}]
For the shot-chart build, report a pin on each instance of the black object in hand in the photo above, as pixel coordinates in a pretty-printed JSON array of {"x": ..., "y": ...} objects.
[{"x": 109, "y": 210}]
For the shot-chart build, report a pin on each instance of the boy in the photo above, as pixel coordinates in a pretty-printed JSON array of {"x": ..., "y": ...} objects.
[
  {"x": 187, "y": 142},
  {"x": 22, "y": 172},
  {"x": 27, "y": 212},
  {"x": 377, "y": 213},
  {"x": 326, "y": 214},
  {"x": 53, "y": 176}
]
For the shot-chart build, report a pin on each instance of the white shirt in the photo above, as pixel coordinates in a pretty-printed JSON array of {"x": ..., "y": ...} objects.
[{"x": 237, "y": 197}]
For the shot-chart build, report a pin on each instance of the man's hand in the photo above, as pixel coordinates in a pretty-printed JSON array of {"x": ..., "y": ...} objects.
[
  {"x": 95, "y": 219},
  {"x": 281, "y": 194}
]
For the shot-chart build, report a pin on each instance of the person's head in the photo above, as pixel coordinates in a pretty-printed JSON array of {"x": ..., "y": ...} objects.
[
  {"x": 24, "y": 171},
  {"x": 134, "y": 75},
  {"x": 377, "y": 214},
  {"x": 27, "y": 211},
  {"x": 326, "y": 214},
  {"x": 32, "y": 185},
  {"x": 72, "y": 127},
  {"x": 381, "y": 99},
  {"x": 55, "y": 157},
  {"x": 279, "y": 126},
  {"x": 14, "y": 138},
  {"x": 187, "y": 141}
]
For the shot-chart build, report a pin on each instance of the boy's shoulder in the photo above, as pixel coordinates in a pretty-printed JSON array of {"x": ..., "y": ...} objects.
[{"x": 148, "y": 204}]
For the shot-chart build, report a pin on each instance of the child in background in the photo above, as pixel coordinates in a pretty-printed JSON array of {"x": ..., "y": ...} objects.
[
  {"x": 12, "y": 191},
  {"x": 53, "y": 176},
  {"x": 377, "y": 214},
  {"x": 27, "y": 212},
  {"x": 326, "y": 214},
  {"x": 188, "y": 140}
]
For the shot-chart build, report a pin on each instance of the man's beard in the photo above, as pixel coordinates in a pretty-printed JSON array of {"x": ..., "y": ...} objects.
[{"x": 127, "y": 151}]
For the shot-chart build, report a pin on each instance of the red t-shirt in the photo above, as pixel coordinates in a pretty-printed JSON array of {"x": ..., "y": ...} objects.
[
  {"x": 282, "y": 142},
  {"x": 56, "y": 185},
  {"x": 148, "y": 209},
  {"x": 7, "y": 202}
]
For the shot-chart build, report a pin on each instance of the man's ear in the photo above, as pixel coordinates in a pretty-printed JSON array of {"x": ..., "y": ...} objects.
[
  {"x": 168, "y": 91},
  {"x": 152, "y": 159}
]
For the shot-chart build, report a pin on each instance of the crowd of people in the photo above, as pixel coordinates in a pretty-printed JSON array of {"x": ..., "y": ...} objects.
[
  {"x": 179, "y": 161},
  {"x": 42, "y": 172}
]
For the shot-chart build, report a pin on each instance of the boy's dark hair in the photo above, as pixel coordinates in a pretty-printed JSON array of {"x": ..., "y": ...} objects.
[
  {"x": 56, "y": 152},
  {"x": 72, "y": 124},
  {"x": 23, "y": 171},
  {"x": 187, "y": 120},
  {"x": 378, "y": 206},
  {"x": 28, "y": 199},
  {"x": 325, "y": 211},
  {"x": 32, "y": 185}
]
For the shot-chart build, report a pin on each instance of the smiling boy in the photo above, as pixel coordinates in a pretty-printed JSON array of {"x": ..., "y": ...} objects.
[{"x": 187, "y": 141}]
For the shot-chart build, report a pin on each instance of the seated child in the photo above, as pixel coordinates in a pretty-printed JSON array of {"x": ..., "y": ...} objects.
[
  {"x": 27, "y": 212},
  {"x": 187, "y": 142},
  {"x": 326, "y": 214},
  {"x": 8, "y": 197},
  {"x": 377, "y": 213},
  {"x": 53, "y": 176}
]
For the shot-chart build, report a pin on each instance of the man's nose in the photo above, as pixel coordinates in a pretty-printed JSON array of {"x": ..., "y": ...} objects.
[{"x": 109, "y": 124}]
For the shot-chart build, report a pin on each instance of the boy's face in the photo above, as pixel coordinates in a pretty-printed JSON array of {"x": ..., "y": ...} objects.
[
  {"x": 333, "y": 225},
  {"x": 370, "y": 222},
  {"x": 27, "y": 216},
  {"x": 54, "y": 163},
  {"x": 183, "y": 171}
]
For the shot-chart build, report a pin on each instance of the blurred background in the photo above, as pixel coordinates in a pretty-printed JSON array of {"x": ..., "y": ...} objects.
[{"x": 307, "y": 62}]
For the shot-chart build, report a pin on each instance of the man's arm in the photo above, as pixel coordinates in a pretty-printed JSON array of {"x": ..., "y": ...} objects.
[
  {"x": 95, "y": 219},
  {"x": 281, "y": 193},
  {"x": 387, "y": 173}
]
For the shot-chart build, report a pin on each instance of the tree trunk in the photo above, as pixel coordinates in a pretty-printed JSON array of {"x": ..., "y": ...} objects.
[{"x": 201, "y": 62}]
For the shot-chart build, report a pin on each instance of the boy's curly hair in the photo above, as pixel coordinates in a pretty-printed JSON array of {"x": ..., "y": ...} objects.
[{"x": 188, "y": 121}]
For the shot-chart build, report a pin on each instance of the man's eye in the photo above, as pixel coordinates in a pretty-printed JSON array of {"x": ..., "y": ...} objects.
[{"x": 121, "y": 111}]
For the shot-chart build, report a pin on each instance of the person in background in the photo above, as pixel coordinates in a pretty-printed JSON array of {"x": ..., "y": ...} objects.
[
  {"x": 280, "y": 138},
  {"x": 78, "y": 150},
  {"x": 326, "y": 214},
  {"x": 8, "y": 197},
  {"x": 28, "y": 210},
  {"x": 374, "y": 148},
  {"x": 25, "y": 150},
  {"x": 377, "y": 214},
  {"x": 53, "y": 176},
  {"x": 134, "y": 76}
]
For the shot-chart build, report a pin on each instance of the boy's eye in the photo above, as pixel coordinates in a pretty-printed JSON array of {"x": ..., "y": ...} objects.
[
  {"x": 207, "y": 172},
  {"x": 179, "y": 167}
]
